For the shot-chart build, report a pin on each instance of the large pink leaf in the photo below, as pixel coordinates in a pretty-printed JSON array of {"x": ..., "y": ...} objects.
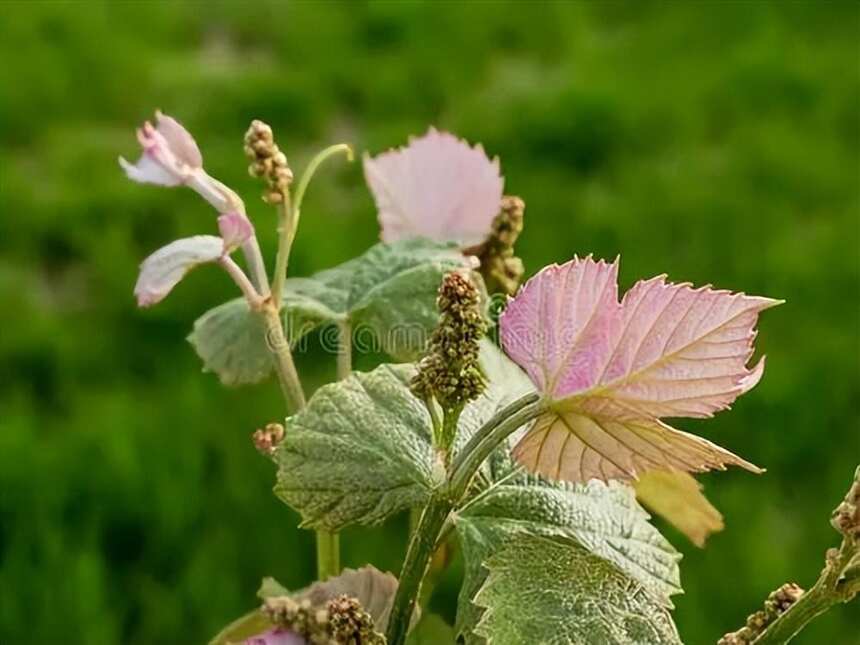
[
  {"x": 611, "y": 370},
  {"x": 438, "y": 187}
]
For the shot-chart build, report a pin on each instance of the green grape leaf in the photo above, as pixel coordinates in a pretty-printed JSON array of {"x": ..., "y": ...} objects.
[
  {"x": 231, "y": 341},
  {"x": 602, "y": 518},
  {"x": 387, "y": 295},
  {"x": 358, "y": 452},
  {"x": 389, "y": 291},
  {"x": 361, "y": 450},
  {"x": 550, "y": 590}
]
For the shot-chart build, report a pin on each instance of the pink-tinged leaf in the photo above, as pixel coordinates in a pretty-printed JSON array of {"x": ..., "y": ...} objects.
[
  {"x": 235, "y": 229},
  {"x": 559, "y": 327},
  {"x": 576, "y": 447},
  {"x": 611, "y": 370},
  {"x": 677, "y": 497},
  {"x": 438, "y": 187},
  {"x": 149, "y": 171},
  {"x": 165, "y": 268},
  {"x": 170, "y": 155}
]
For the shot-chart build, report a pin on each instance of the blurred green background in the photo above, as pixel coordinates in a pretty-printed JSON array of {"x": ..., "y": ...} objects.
[{"x": 718, "y": 142}]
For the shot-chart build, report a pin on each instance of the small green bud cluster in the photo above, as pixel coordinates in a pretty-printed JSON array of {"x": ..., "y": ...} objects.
[
  {"x": 267, "y": 161},
  {"x": 501, "y": 269},
  {"x": 342, "y": 621},
  {"x": 777, "y": 603},
  {"x": 450, "y": 372}
]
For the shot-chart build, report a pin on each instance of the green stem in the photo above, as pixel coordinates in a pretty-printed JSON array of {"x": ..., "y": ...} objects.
[
  {"x": 289, "y": 214},
  {"x": 256, "y": 266},
  {"x": 489, "y": 436},
  {"x": 435, "y": 421},
  {"x": 421, "y": 549},
  {"x": 448, "y": 433},
  {"x": 344, "y": 350},
  {"x": 286, "y": 233},
  {"x": 830, "y": 589},
  {"x": 309, "y": 172},
  {"x": 414, "y": 519},
  {"x": 288, "y": 377},
  {"x": 328, "y": 544},
  {"x": 839, "y": 582},
  {"x": 328, "y": 554},
  {"x": 428, "y": 533}
]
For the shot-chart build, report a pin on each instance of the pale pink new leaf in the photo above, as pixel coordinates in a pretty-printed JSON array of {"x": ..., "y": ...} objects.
[
  {"x": 438, "y": 187},
  {"x": 170, "y": 154},
  {"x": 180, "y": 141},
  {"x": 611, "y": 370},
  {"x": 165, "y": 268},
  {"x": 235, "y": 229},
  {"x": 171, "y": 158}
]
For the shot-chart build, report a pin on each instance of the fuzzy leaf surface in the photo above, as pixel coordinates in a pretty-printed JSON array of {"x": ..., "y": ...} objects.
[
  {"x": 602, "y": 518},
  {"x": 358, "y": 452},
  {"x": 613, "y": 370},
  {"x": 361, "y": 450},
  {"x": 388, "y": 295},
  {"x": 551, "y": 591},
  {"x": 231, "y": 340}
]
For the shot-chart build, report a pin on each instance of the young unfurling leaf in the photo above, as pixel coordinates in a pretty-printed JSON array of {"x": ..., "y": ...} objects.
[
  {"x": 611, "y": 370},
  {"x": 437, "y": 187},
  {"x": 171, "y": 158},
  {"x": 164, "y": 269}
]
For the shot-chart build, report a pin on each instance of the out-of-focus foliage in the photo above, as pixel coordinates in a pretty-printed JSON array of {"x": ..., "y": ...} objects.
[{"x": 717, "y": 142}]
